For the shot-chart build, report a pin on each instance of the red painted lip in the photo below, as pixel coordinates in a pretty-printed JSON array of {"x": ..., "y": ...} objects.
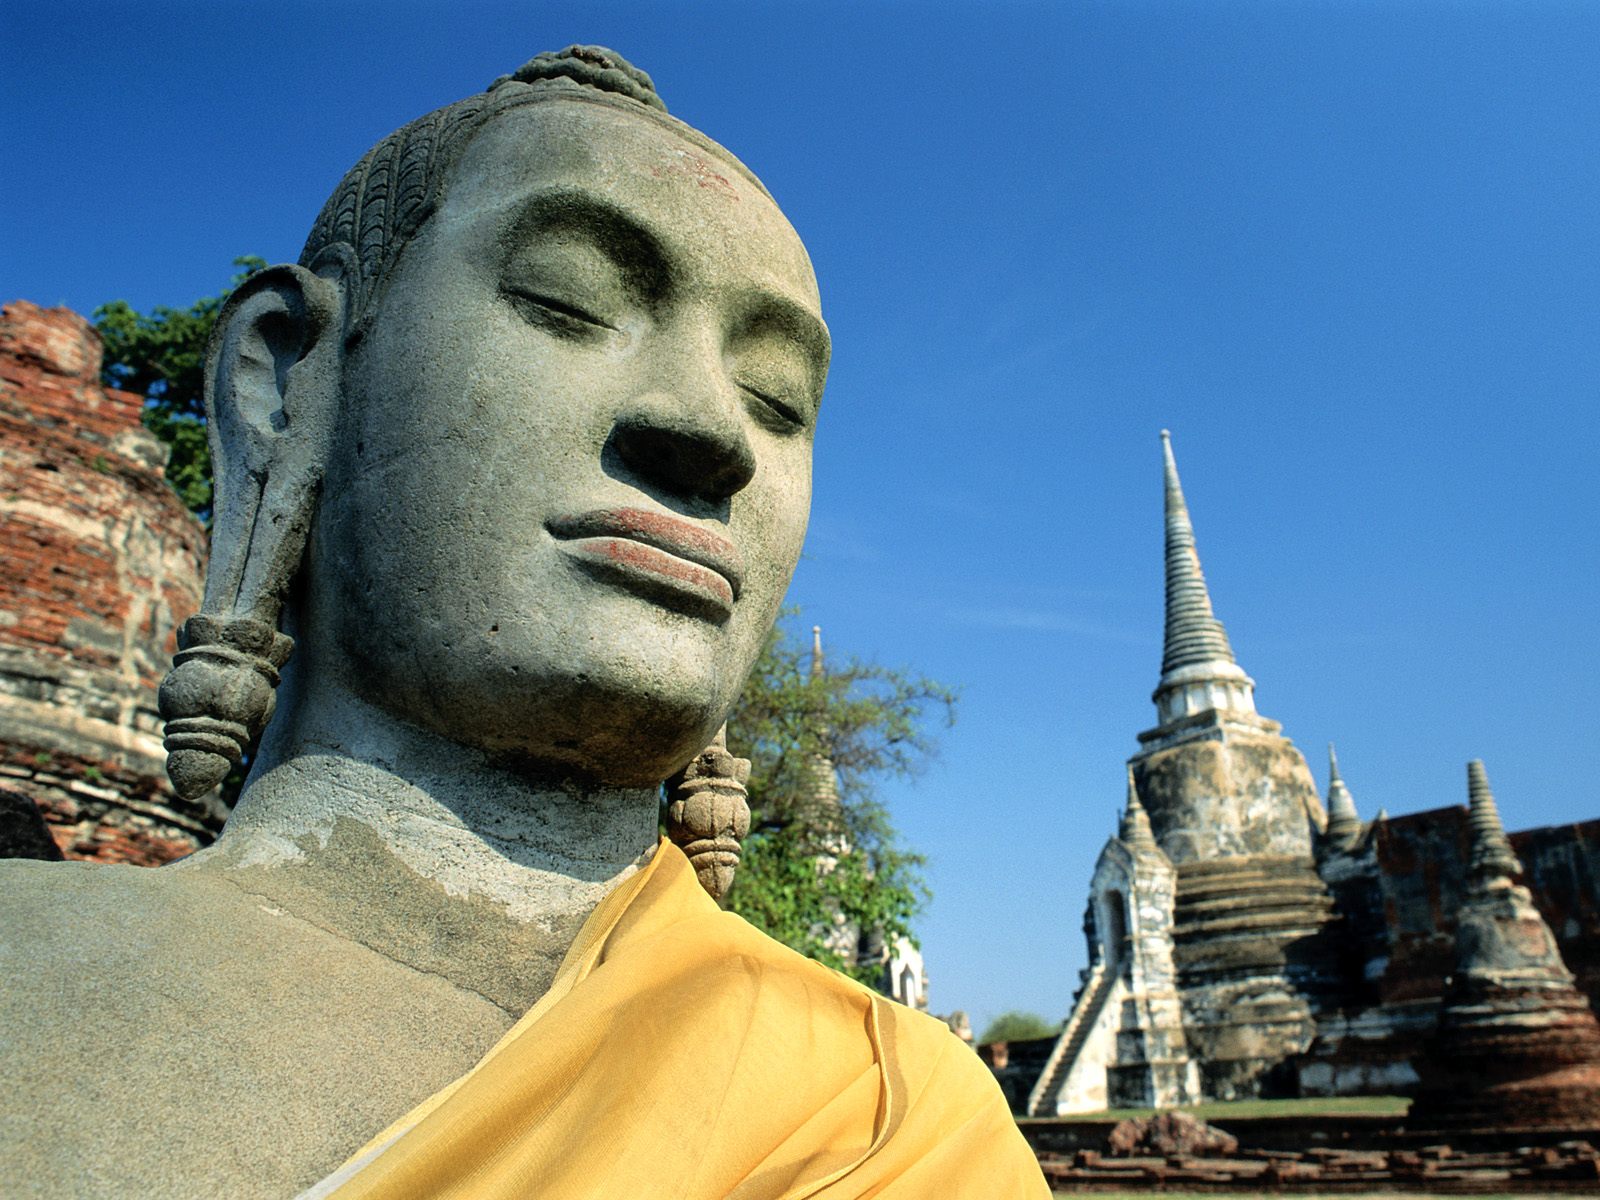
[{"x": 657, "y": 550}]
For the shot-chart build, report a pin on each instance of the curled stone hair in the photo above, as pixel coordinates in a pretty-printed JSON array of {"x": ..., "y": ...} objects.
[
  {"x": 385, "y": 198},
  {"x": 594, "y": 66}
]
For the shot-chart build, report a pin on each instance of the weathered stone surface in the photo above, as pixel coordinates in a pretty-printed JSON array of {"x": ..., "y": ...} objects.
[
  {"x": 102, "y": 561},
  {"x": 202, "y": 981},
  {"x": 1218, "y": 788},
  {"x": 1124, "y": 1044},
  {"x": 1234, "y": 959},
  {"x": 1307, "y": 953},
  {"x": 1017, "y": 1066},
  {"x": 707, "y": 813},
  {"x": 1476, "y": 1166},
  {"x": 1198, "y": 670},
  {"x": 1233, "y": 805},
  {"x": 528, "y": 495},
  {"x": 1400, "y": 890},
  {"x": 1561, "y": 869}
]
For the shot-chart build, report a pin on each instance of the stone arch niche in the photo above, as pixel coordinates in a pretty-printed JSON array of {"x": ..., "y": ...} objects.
[
  {"x": 1115, "y": 928},
  {"x": 1124, "y": 1043}
]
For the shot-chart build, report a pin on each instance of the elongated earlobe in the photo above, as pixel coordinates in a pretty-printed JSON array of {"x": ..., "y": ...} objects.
[
  {"x": 708, "y": 815},
  {"x": 272, "y": 379}
]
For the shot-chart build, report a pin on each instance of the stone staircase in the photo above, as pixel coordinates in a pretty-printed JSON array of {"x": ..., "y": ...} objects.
[{"x": 1096, "y": 987}]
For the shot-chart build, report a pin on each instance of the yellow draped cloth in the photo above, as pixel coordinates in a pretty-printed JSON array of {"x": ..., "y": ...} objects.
[{"x": 680, "y": 1053}]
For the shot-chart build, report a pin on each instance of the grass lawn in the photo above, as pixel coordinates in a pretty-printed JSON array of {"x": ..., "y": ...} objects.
[{"x": 1220, "y": 1111}]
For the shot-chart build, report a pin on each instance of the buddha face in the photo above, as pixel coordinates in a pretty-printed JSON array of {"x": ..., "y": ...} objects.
[{"x": 573, "y": 469}]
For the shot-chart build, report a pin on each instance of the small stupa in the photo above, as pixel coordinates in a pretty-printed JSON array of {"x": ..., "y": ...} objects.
[
  {"x": 1517, "y": 1046},
  {"x": 1344, "y": 822},
  {"x": 1134, "y": 829}
]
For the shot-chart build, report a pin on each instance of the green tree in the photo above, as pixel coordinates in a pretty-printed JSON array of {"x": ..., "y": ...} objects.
[
  {"x": 161, "y": 356},
  {"x": 871, "y": 722},
  {"x": 1017, "y": 1026}
]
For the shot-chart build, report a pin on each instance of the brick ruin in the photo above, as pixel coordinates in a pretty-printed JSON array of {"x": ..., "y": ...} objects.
[
  {"x": 102, "y": 561},
  {"x": 1517, "y": 1045},
  {"x": 1246, "y": 943},
  {"x": 1402, "y": 886}
]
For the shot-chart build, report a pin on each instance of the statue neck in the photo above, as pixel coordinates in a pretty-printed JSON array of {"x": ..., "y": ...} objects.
[{"x": 541, "y": 851}]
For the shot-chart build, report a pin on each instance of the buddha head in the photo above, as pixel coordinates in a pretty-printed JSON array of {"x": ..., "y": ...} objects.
[{"x": 519, "y": 451}]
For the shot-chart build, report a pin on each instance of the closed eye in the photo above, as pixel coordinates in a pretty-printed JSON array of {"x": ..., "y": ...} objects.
[
  {"x": 785, "y": 413},
  {"x": 551, "y": 310}
]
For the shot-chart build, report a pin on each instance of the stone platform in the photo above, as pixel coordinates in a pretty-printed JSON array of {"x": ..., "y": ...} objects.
[
  {"x": 1320, "y": 1154},
  {"x": 1572, "y": 1167}
]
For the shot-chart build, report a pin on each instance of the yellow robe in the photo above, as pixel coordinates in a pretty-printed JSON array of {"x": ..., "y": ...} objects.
[{"x": 680, "y": 1053}]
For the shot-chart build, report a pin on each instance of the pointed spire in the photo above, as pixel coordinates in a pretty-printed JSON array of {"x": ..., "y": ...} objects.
[
  {"x": 1344, "y": 822},
  {"x": 822, "y": 808},
  {"x": 1135, "y": 831},
  {"x": 1198, "y": 670},
  {"x": 1492, "y": 856},
  {"x": 1194, "y": 635}
]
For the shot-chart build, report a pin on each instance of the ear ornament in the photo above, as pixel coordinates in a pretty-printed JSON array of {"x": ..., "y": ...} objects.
[
  {"x": 708, "y": 814},
  {"x": 218, "y": 697}
]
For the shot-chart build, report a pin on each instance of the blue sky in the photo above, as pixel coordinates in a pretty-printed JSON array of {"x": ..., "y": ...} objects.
[{"x": 1348, "y": 253}]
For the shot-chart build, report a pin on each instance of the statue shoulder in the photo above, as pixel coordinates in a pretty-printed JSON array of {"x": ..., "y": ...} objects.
[
  {"x": 91, "y": 934},
  {"x": 136, "y": 997},
  {"x": 77, "y": 907}
]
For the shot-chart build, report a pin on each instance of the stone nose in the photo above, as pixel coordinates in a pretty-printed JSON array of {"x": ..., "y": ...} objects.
[{"x": 696, "y": 447}]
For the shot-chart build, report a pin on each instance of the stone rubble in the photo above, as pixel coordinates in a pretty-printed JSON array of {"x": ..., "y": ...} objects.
[{"x": 1570, "y": 1166}]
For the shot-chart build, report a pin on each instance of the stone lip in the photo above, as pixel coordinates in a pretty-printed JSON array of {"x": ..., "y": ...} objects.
[{"x": 672, "y": 553}]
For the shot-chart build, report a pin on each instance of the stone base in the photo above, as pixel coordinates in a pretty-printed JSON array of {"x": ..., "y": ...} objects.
[
  {"x": 1368, "y": 1052},
  {"x": 1513, "y": 1059},
  {"x": 1162, "y": 1083},
  {"x": 1254, "y": 966}
]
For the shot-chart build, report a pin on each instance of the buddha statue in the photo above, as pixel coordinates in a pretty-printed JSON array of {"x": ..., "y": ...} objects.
[{"x": 512, "y": 471}]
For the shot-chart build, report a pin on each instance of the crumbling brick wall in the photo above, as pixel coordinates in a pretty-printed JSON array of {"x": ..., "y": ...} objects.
[
  {"x": 1561, "y": 866},
  {"x": 102, "y": 561},
  {"x": 1422, "y": 864}
]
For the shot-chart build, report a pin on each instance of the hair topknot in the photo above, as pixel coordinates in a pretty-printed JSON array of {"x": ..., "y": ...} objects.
[{"x": 592, "y": 66}]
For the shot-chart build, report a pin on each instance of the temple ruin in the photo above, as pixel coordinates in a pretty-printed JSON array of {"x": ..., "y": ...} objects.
[{"x": 1245, "y": 942}]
